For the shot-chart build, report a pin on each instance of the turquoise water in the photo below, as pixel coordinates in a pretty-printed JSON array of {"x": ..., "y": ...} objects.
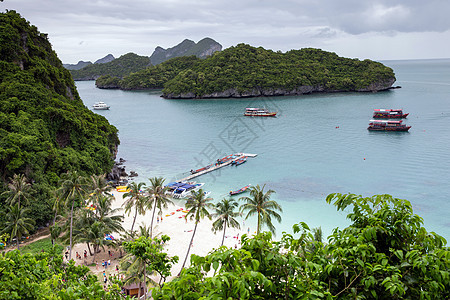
[{"x": 317, "y": 145}]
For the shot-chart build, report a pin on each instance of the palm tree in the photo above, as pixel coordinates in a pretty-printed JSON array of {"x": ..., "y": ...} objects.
[
  {"x": 73, "y": 188},
  {"x": 258, "y": 203},
  {"x": 108, "y": 216},
  {"x": 17, "y": 224},
  {"x": 98, "y": 186},
  {"x": 19, "y": 189},
  {"x": 136, "y": 199},
  {"x": 157, "y": 192},
  {"x": 225, "y": 214},
  {"x": 197, "y": 205}
]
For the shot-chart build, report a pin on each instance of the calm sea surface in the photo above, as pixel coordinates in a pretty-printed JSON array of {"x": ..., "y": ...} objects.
[{"x": 317, "y": 145}]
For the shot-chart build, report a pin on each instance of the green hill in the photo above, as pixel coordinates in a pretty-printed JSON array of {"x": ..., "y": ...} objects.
[
  {"x": 119, "y": 67},
  {"x": 246, "y": 71},
  {"x": 45, "y": 129},
  {"x": 153, "y": 77}
]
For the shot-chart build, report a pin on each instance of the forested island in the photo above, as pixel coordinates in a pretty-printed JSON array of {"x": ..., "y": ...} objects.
[
  {"x": 246, "y": 71},
  {"x": 45, "y": 129}
]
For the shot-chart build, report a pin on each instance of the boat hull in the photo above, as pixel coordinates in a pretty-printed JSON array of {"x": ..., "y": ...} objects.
[
  {"x": 274, "y": 114},
  {"x": 406, "y": 128}
]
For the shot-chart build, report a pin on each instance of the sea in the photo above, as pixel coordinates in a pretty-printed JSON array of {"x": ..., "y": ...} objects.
[{"x": 317, "y": 145}]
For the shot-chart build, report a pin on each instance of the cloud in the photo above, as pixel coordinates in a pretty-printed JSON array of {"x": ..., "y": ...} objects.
[{"x": 94, "y": 28}]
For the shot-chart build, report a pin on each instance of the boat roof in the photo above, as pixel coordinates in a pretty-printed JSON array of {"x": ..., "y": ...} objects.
[
  {"x": 387, "y": 110},
  {"x": 254, "y": 108},
  {"x": 386, "y": 121}
]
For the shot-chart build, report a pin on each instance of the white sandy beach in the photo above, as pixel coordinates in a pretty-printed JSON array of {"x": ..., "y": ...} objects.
[{"x": 178, "y": 229}]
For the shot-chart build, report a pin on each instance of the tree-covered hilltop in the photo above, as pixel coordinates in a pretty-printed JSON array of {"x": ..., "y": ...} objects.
[
  {"x": 119, "y": 67},
  {"x": 246, "y": 71},
  {"x": 45, "y": 129},
  {"x": 153, "y": 77}
]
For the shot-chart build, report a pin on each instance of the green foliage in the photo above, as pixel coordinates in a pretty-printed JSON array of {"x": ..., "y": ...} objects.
[
  {"x": 257, "y": 71},
  {"x": 150, "y": 251},
  {"x": 119, "y": 67},
  {"x": 44, "y": 244},
  {"x": 45, "y": 130},
  {"x": 259, "y": 204},
  {"x": 45, "y": 276},
  {"x": 384, "y": 254},
  {"x": 153, "y": 77}
]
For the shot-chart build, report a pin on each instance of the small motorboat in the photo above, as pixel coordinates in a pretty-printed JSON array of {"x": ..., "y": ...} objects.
[
  {"x": 240, "y": 191},
  {"x": 101, "y": 106}
]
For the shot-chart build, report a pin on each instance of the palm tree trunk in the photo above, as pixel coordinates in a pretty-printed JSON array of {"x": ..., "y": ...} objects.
[
  {"x": 153, "y": 216},
  {"x": 259, "y": 223},
  {"x": 17, "y": 238},
  {"x": 189, "y": 248},
  {"x": 139, "y": 292},
  {"x": 54, "y": 222},
  {"x": 89, "y": 248},
  {"x": 71, "y": 226},
  {"x": 224, "y": 229},
  {"x": 145, "y": 283},
  {"x": 95, "y": 254},
  {"x": 134, "y": 220}
]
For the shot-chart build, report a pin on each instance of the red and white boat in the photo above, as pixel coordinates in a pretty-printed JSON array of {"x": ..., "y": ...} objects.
[
  {"x": 381, "y": 113},
  {"x": 240, "y": 191},
  {"x": 387, "y": 125},
  {"x": 258, "y": 112}
]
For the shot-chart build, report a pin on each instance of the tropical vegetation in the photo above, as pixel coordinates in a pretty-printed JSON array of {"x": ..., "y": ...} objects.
[
  {"x": 385, "y": 253},
  {"x": 259, "y": 204},
  {"x": 243, "y": 71},
  {"x": 225, "y": 216},
  {"x": 198, "y": 205},
  {"x": 45, "y": 129},
  {"x": 119, "y": 67}
]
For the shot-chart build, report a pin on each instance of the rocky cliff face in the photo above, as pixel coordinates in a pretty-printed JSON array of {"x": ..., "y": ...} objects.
[
  {"x": 204, "y": 48},
  {"x": 234, "y": 93},
  {"x": 108, "y": 58}
]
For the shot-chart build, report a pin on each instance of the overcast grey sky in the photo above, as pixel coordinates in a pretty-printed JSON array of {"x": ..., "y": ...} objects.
[{"x": 376, "y": 29}]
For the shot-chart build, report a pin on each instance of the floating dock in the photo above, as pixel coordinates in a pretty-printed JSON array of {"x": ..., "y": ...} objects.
[{"x": 217, "y": 166}]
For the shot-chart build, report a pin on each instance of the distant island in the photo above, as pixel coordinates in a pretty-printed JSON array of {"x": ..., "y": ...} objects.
[
  {"x": 246, "y": 71},
  {"x": 81, "y": 64},
  {"x": 131, "y": 62},
  {"x": 119, "y": 67}
]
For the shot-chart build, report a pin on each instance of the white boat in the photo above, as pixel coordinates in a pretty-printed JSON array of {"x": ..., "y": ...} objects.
[
  {"x": 184, "y": 189},
  {"x": 100, "y": 106}
]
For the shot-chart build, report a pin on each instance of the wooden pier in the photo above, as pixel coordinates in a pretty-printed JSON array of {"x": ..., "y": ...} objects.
[{"x": 217, "y": 166}]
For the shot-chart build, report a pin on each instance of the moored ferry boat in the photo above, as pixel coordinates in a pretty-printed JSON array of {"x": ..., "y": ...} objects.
[
  {"x": 258, "y": 112},
  {"x": 381, "y": 113},
  {"x": 101, "y": 106},
  {"x": 387, "y": 125}
]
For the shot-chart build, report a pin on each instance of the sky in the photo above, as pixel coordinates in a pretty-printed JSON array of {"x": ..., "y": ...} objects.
[{"x": 377, "y": 29}]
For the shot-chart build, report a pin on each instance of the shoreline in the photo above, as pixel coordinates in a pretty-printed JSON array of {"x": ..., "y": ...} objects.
[{"x": 176, "y": 227}]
